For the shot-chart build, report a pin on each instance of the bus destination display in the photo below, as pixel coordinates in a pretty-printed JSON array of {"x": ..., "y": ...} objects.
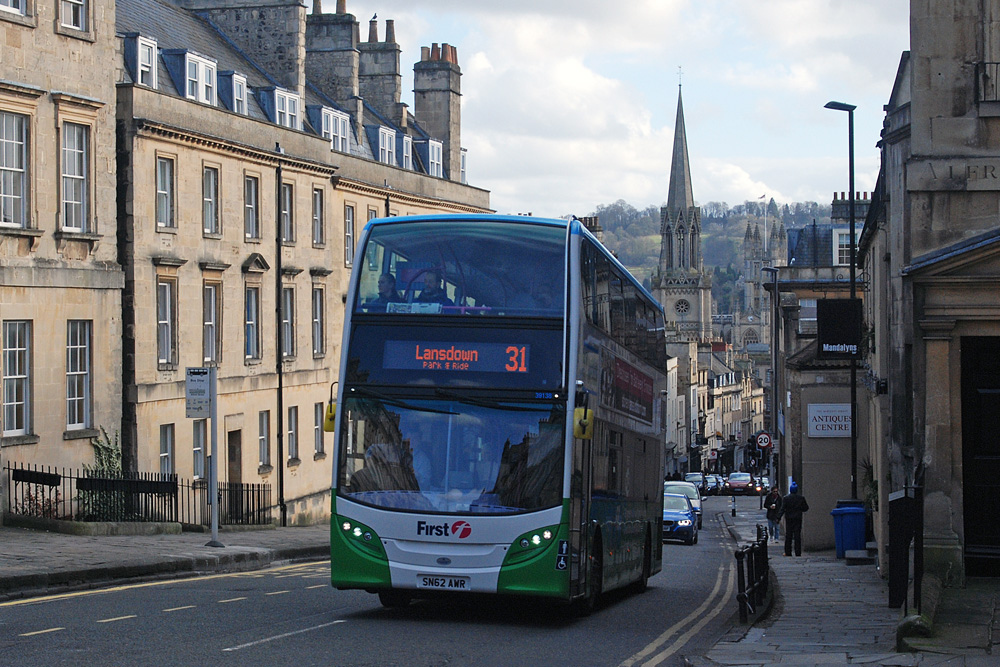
[{"x": 456, "y": 357}]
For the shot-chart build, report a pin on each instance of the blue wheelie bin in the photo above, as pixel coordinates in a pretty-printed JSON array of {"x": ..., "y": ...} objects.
[{"x": 849, "y": 528}]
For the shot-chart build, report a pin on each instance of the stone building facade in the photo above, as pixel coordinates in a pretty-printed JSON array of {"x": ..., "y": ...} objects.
[
  {"x": 933, "y": 250},
  {"x": 240, "y": 188},
  {"x": 60, "y": 282}
]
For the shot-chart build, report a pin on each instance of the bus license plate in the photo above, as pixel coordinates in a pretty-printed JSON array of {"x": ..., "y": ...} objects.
[{"x": 443, "y": 583}]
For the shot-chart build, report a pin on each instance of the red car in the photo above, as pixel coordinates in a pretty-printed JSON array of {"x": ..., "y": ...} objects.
[{"x": 740, "y": 484}]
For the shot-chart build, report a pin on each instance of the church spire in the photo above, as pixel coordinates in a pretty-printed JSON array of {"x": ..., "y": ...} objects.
[{"x": 680, "y": 196}]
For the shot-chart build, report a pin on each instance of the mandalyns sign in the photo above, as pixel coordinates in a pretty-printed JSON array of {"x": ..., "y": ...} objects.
[{"x": 829, "y": 420}]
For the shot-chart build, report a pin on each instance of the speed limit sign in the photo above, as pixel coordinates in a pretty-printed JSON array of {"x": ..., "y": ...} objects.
[{"x": 763, "y": 440}]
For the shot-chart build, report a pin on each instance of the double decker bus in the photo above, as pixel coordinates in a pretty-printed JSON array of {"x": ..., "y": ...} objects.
[{"x": 499, "y": 414}]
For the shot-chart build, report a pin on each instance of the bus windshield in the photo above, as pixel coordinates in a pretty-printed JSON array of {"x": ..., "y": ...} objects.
[
  {"x": 457, "y": 267},
  {"x": 468, "y": 456}
]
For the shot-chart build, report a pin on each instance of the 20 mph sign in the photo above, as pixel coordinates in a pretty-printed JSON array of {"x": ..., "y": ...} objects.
[{"x": 763, "y": 440}]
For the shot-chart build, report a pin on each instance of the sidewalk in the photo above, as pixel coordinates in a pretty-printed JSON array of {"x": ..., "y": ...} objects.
[
  {"x": 824, "y": 612},
  {"x": 35, "y": 562},
  {"x": 827, "y": 612}
]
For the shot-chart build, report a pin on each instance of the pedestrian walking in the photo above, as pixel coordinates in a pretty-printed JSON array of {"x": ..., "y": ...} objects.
[
  {"x": 792, "y": 507},
  {"x": 773, "y": 503}
]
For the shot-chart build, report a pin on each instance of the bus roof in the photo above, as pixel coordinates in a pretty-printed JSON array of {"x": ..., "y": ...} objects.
[{"x": 576, "y": 227}]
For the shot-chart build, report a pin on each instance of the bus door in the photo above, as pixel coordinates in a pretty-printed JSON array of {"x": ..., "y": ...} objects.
[{"x": 580, "y": 533}]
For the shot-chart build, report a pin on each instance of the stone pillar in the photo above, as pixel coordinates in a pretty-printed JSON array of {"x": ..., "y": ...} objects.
[{"x": 943, "y": 554}]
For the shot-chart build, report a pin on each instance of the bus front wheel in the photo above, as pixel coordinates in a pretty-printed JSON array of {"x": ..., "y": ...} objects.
[{"x": 393, "y": 598}]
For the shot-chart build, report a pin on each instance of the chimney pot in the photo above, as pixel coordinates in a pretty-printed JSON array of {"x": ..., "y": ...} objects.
[
  {"x": 373, "y": 31},
  {"x": 454, "y": 54},
  {"x": 446, "y": 52},
  {"x": 341, "y": 6},
  {"x": 425, "y": 53},
  {"x": 435, "y": 51},
  {"x": 390, "y": 31},
  {"x": 317, "y": 7}
]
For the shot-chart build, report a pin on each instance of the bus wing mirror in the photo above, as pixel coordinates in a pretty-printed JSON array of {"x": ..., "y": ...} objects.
[
  {"x": 583, "y": 423},
  {"x": 330, "y": 415}
]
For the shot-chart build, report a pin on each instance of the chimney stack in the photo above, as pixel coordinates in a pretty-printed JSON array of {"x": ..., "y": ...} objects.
[
  {"x": 379, "y": 79},
  {"x": 437, "y": 89},
  {"x": 332, "y": 59},
  {"x": 280, "y": 25}
]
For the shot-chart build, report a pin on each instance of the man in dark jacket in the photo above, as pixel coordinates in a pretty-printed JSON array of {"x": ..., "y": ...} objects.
[{"x": 792, "y": 507}]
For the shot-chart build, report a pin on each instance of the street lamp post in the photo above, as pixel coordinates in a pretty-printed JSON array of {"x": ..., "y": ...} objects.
[
  {"x": 849, "y": 108},
  {"x": 773, "y": 270}
]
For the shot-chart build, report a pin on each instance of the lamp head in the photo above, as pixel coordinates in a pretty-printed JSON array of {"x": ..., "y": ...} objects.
[{"x": 840, "y": 106}]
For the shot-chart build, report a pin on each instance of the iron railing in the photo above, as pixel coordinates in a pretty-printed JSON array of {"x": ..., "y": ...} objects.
[
  {"x": 752, "y": 575},
  {"x": 90, "y": 495}
]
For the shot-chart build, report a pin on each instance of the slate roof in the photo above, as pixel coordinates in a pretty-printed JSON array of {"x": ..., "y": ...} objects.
[
  {"x": 811, "y": 245},
  {"x": 173, "y": 27}
]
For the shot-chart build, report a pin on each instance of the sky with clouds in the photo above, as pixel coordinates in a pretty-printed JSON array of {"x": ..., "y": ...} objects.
[{"x": 569, "y": 104}]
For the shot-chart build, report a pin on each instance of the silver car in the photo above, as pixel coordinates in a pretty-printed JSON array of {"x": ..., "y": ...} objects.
[{"x": 688, "y": 489}]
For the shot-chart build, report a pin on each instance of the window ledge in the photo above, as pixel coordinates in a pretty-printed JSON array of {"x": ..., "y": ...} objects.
[
  {"x": 21, "y": 19},
  {"x": 212, "y": 235},
  {"x": 92, "y": 240},
  {"x": 13, "y": 440},
  {"x": 265, "y": 469},
  {"x": 24, "y": 232},
  {"x": 166, "y": 367},
  {"x": 81, "y": 433},
  {"x": 163, "y": 229},
  {"x": 294, "y": 462},
  {"x": 319, "y": 456},
  {"x": 85, "y": 35}
]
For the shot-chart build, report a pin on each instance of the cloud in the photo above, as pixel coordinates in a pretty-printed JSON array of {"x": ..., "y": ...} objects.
[{"x": 568, "y": 104}]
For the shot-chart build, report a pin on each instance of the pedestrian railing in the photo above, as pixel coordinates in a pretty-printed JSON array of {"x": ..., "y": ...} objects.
[
  {"x": 95, "y": 495},
  {"x": 752, "y": 575}
]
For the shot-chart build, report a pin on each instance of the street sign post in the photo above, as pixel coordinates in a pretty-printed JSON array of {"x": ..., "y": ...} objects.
[{"x": 202, "y": 403}]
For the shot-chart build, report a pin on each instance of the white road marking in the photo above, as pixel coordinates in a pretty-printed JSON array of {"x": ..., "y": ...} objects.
[
  {"x": 189, "y": 606},
  {"x": 40, "y": 632},
  {"x": 116, "y": 618},
  {"x": 231, "y": 600},
  {"x": 282, "y": 636}
]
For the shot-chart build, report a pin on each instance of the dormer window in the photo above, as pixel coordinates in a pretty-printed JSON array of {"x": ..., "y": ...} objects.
[
  {"x": 842, "y": 246},
  {"x": 200, "y": 79},
  {"x": 335, "y": 126},
  {"x": 407, "y": 152},
  {"x": 286, "y": 109},
  {"x": 146, "y": 65},
  {"x": 387, "y": 146},
  {"x": 240, "y": 94},
  {"x": 436, "y": 166}
]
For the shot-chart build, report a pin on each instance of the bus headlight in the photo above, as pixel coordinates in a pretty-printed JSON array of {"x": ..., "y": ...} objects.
[
  {"x": 357, "y": 531},
  {"x": 346, "y": 525},
  {"x": 547, "y": 534}
]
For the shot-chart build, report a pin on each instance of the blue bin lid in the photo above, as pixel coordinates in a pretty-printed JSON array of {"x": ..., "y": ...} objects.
[{"x": 838, "y": 511}]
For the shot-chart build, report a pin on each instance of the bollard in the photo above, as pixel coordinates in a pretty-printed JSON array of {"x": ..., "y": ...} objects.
[{"x": 734, "y": 504}]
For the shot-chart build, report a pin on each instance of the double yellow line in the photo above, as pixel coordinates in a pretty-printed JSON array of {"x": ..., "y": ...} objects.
[{"x": 655, "y": 653}]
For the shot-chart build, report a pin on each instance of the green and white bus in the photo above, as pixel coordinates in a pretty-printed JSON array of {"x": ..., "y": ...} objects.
[{"x": 499, "y": 414}]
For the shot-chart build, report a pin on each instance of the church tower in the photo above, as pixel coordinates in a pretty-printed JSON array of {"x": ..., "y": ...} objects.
[{"x": 680, "y": 283}]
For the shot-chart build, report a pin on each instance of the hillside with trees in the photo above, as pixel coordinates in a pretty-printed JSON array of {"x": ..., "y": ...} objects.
[{"x": 634, "y": 236}]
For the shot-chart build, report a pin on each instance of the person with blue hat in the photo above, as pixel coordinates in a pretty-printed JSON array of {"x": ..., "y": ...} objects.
[{"x": 792, "y": 507}]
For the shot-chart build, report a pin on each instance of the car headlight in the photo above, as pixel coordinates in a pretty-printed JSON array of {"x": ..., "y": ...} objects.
[{"x": 684, "y": 522}]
